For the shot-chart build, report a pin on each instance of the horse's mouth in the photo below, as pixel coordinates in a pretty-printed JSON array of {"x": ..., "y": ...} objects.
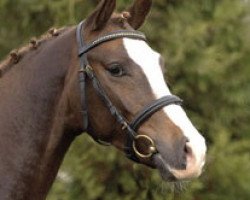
[
  {"x": 163, "y": 168},
  {"x": 193, "y": 169}
]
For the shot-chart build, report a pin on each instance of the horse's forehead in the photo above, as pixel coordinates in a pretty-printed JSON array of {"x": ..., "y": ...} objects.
[
  {"x": 149, "y": 61},
  {"x": 138, "y": 49}
]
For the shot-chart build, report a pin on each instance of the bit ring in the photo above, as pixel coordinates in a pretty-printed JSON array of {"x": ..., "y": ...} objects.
[{"x": 152, "y": 147}]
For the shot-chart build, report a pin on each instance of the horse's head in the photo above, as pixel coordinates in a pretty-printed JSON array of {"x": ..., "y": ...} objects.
[{"x": 130, "y": 73}]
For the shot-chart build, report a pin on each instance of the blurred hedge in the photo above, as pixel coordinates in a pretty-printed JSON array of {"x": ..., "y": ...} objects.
[{"x": 206, "y": 46}]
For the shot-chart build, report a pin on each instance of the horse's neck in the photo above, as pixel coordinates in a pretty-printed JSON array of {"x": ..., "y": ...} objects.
[{"x": 32, "y": 142}]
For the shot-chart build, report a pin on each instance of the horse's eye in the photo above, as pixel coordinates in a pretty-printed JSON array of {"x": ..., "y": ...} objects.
[{"x": 116, "y": 70}]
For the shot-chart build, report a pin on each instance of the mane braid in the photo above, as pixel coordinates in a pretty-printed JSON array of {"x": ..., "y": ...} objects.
[{"x": 16, "y": 55}]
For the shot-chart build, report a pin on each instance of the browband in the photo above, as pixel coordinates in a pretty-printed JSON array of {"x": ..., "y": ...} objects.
[{"x": 109, "y": 37}]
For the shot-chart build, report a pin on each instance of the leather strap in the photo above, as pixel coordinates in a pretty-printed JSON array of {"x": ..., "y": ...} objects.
[
  {"x": 152, "y": 108},
  {"x": 82, "y": 76},
  {"x": 111, "y": 36}
]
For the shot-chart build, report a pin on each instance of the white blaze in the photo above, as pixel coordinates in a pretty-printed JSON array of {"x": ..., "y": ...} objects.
[{"x": 148, "y": 60}]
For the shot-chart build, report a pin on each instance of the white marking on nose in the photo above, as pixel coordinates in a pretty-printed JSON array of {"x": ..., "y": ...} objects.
[{"x": 149, "y": 61}]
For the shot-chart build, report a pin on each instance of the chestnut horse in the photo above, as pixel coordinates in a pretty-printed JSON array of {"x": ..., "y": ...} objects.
[{"x": 122, "y": 99}]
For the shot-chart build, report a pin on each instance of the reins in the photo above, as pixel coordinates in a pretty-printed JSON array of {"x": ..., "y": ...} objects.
[{"x": 86, "y": 71}]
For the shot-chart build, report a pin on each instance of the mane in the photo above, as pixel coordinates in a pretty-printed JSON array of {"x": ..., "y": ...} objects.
[{"x": 17, "y": 54}]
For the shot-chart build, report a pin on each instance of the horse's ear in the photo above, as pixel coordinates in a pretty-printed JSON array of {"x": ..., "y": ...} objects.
[
  {"x": 98, "y": 19},
  {"x": 138, "y": 11}
]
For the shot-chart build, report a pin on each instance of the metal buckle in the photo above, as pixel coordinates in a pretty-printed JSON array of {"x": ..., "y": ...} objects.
[
  {"x": 101, "y": 142},
  {"x": 124, "y": 126},
  {"x": 152, "y": 147},
  {"x": 89, "y": 71},
  {"x": 81, "y": 70}
]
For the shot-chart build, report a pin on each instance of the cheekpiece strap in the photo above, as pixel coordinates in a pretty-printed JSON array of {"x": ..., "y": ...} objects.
[{"x": 82, "y": 75}]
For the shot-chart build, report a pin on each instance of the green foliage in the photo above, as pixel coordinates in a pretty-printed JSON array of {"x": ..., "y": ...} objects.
[{"x": 206, "y": 46}]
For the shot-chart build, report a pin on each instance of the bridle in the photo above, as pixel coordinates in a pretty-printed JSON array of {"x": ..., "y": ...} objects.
[{"x": 131, "y": 128}]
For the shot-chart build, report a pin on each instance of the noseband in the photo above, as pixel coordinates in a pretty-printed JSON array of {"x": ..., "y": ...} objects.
[{"x": 131, "y": 128}]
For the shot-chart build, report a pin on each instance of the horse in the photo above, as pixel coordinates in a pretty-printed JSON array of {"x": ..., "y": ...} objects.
[{"x": 100, "y": 77}]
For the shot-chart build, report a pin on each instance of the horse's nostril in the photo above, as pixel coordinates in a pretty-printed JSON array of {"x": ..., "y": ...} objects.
[
  {"x": 187, "y": 152},
  {"x": 187, "y": 148}
]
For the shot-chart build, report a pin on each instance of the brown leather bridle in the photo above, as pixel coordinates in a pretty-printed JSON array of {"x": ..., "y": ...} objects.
[{"x": 131, "y": 128}]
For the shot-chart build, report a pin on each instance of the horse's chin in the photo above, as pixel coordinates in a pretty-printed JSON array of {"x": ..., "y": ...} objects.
[
  {"x": 163, "y": 168},
  {"x": 172, "y": 175}
]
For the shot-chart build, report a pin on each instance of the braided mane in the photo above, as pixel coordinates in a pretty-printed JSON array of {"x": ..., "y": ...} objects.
[{"x": 17, "y": 54}]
